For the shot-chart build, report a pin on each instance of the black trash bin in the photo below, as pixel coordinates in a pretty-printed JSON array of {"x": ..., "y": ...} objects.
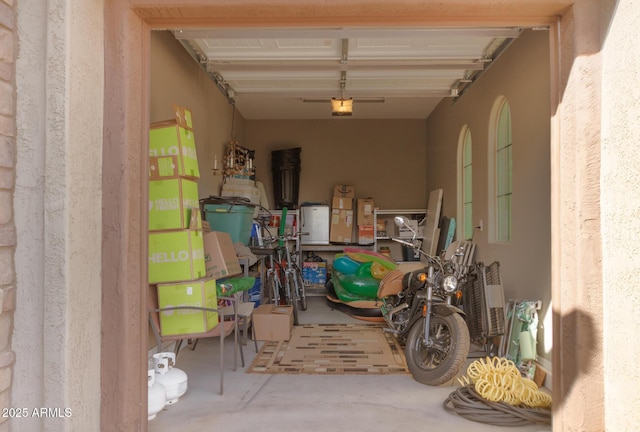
[{"x": 285, "y": 166}]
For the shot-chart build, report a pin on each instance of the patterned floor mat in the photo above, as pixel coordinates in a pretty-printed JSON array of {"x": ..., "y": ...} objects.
[{"x": 338, "y": 349}]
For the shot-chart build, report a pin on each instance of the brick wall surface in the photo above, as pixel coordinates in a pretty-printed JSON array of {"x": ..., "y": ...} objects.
[{"x": 7, "y": 184}]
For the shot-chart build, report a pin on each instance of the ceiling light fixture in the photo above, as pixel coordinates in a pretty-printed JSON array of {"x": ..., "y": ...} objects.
[{"x": 342, "y": 106}]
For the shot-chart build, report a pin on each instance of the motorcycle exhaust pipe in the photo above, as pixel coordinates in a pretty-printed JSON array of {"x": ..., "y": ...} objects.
[{"x": 388, "y": 317}]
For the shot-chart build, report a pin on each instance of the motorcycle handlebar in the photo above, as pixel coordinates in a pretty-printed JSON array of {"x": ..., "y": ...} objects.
[{"x": 412, "y": 245}]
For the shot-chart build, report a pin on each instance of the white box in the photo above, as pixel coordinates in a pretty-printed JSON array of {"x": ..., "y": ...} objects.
[{"x": 406, "y": 232}]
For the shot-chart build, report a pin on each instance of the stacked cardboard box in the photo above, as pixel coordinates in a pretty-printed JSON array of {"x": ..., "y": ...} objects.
[
  {"x": 177, "y": 265},
  {"x": 365, "y": 214},
  {"x": 341, "y": 230}
]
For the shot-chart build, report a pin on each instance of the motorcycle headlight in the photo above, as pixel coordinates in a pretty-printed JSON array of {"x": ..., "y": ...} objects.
[{"x": 450, "y": 283}]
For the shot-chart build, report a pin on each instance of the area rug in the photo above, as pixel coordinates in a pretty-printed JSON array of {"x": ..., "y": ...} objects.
[{"x": 332, "y": 349}]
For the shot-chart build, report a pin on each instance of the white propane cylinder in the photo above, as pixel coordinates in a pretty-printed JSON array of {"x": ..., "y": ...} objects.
[
  {"x": 173, "y": 379},
  {"x": 156, "y": 396}
]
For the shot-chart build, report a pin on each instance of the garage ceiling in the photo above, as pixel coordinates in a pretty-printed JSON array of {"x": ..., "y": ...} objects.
[{"x": 391, "y": 73}]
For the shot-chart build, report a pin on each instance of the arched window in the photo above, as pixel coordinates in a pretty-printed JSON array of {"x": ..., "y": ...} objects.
[
  {"x": 465, "y": 184},
  {"x": 503, "y": 172}
]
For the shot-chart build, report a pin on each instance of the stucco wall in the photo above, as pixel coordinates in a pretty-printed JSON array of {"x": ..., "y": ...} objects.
[
  {"x": 8, "y": 36},
  {"x": 620, "y": 204},
  {"x": 58, "y": 213}
]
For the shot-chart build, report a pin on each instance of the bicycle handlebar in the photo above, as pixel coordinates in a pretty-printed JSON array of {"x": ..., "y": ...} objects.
[{"x": 283, "y": 224}]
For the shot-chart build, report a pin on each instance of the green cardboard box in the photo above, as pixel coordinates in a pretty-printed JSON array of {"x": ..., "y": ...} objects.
[
  {"x": 176, "y": 256},
  {"x": 171, "y": 202},
  {"x": 168, "y": 138},
  {"x": 198, "y": 293}
]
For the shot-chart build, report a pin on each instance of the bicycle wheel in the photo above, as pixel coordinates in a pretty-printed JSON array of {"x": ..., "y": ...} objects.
[
  {"x": 272, "y": 287},
  {"x": 302, "y": 290},
  {"x": 292, "y": 297},
  {"x": 276, "y": 282}
]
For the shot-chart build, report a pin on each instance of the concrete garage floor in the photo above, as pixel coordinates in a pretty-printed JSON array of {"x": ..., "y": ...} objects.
[{"x": 306, "y": 403}]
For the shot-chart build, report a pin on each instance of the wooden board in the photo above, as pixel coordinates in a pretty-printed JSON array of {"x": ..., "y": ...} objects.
[{"x": 431, "y": 230}]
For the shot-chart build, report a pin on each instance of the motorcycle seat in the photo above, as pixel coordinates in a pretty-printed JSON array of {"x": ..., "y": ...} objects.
[{"x": 391, "y": 283}]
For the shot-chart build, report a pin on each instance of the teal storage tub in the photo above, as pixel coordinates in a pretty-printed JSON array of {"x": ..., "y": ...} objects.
[{"x": 235, "y": 219}]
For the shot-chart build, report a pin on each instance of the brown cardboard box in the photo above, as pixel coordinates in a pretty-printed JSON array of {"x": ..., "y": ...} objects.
[
  {"x": 341, "y": 226},
  {"x": 342, "y": 203},
  {"x": 344, "y": 191},
  {"x": 272, "y": 323},
  {"x": 365, "y": 211},
  {"x": 365, "y": 234},
  {"x": 183, "y": 116},
  {"x": 220, "y": 257},
  {"x": 162, "y": 167}
]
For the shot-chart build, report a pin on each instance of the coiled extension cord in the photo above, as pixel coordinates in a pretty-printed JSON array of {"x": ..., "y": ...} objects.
[{"x": 494, "y": 392}]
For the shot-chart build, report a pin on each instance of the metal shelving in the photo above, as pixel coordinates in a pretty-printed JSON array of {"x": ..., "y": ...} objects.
[{"x": 388, "y": 215}]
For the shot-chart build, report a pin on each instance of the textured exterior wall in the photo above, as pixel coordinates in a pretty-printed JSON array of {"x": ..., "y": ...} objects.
[
  {"x": 620, "y": 207},
  {"x": 58, "y": 214},
  {"x": 8, "y": 38},
  {"x": 576, "y": 250},
  {"x": 124, "y": 237}
]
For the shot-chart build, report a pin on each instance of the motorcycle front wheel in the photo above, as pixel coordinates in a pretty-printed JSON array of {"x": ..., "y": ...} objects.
[{"x": 440, "y": 362}]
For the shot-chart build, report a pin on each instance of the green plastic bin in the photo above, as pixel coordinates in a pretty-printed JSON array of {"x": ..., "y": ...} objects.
[{"x": 235, "y": 219}]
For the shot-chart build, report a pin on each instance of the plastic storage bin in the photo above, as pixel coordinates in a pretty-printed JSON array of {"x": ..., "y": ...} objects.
[{"x": 235, "y": 219}]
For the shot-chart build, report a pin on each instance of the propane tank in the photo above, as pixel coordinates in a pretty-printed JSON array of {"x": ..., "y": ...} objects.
[
  {"x": 173, "y": 379},
  {"x": 156, "y": 396}
]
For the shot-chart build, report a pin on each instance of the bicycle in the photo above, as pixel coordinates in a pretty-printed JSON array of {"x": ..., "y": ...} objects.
[
  {"x": 293, "y": 276},
  {"x": 274, "y": 283},
  {"x": 284, "y": 280}
]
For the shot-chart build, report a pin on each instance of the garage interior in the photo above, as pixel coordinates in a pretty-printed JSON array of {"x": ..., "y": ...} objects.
[
  {"x": 102, "y": 85},
  {"x": 401, "y": 141}
]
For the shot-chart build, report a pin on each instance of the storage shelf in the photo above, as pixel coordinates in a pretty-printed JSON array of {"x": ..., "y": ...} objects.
[
  {"x": 399, "y": 211},
  {"x": 387, "y": 215},
  {"x": 321, "y": 248},
  {"x": 335, "y": 247},
  {"x": 400, "y": 238}
]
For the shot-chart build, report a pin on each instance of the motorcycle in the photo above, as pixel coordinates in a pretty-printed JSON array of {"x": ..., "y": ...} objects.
[{"x": 419, "y": 306}]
